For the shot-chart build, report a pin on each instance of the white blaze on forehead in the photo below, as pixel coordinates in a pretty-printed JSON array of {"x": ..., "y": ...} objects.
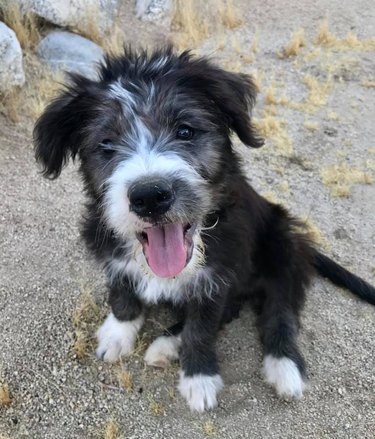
[{"x": 126, "y": 97}]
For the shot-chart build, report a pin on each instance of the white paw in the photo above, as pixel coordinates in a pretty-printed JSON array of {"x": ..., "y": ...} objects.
[
  {"x": 117, "y": 338},
  {"x": 284, "y": 376},
  {"x": 200, "y": 390},
  {"x": 162, "y": 351}
]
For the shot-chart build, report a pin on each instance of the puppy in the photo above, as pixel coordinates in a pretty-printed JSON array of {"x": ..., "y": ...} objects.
[{"x": 171, "y": 217}]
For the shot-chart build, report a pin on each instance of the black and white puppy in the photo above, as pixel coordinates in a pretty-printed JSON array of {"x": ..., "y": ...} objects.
[{"x": 171, "y": 217}]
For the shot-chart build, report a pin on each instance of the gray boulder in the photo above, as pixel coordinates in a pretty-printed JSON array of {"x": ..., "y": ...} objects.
[
  {"x": 11, "y": 68},
  {"x": 155, "y": 10},
  {"x": 71, "y": 53},
  {"x": 76, "y": 14}
]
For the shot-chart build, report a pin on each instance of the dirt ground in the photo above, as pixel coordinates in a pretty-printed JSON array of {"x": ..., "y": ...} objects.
[{"x": 317, "y": 112}]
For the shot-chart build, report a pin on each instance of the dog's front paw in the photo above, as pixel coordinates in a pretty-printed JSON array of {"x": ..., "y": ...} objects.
[
  {"x": 162, "y": 350},
  {"x": 284, "y": 376},
  {"x": 117, "y": 338},
  {"x": 200, "y": 390}
]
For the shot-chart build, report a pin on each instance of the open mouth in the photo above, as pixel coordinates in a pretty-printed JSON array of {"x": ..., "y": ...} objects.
[{"x": 168, "y": 247}]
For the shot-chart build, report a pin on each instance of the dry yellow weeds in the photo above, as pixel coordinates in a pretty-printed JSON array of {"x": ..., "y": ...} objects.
[
  {"x": 270, "y": 98},
  {"x": 368, "y": 84},
  {"x": 271, "y": 127},
  {"x": 257, "y": 78},
  {"x": 319, "y": 91},
  {"x": 295, "y": 45},
  {"x": 316, "y": 98},
  {"x": 111, "y": 430},
  {"x": 228, "y": 13},
  {"x": 283, "y": 187},
  {"x": 5, "y": 398},
  {"x": 332, "y": 115},
  {"x": 271, "y": 197},
  {"x": 24, "y": 24},
  {"x": 10, "y": 104},
  {"x": 190, "y": 22},
  {"x": 111, "y": 41},
  {"x": 255, "y": 43},
  {"x": 209, "y": 428},
  {"x": 327, "y": 39},
  {"x": 90, "y": 28},
  {"x": 315, "y": 234},
  {"x": 125, "y": 379},
  {"x": 85, "y": 319},
  {"x": 340, "y": 177},
  {"x": 156, "y": 408},
  {"x": 194, "y": 20},
  {"x": 30, "y": 100},
  {"x": 311, "y": 126}
]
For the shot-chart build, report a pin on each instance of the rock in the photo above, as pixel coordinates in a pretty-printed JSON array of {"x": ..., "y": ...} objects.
[
  {"x": 11, "y": 68},
  {"x": 76, "y": 14},
  {"x": 71, "y": 53},
  {"x": 154, "y": 10}
]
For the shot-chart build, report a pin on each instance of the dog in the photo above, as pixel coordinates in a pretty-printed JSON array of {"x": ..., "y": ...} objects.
[{"x": 172, "y": 219}]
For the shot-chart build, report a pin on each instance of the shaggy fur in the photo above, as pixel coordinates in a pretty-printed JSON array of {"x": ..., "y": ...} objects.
[{"x": 171, "y": 217}]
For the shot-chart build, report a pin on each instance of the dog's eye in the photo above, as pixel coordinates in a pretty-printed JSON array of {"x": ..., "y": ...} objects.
[
  {"x": 184, "y": 132},
  {"x": 106, "y": 147}
]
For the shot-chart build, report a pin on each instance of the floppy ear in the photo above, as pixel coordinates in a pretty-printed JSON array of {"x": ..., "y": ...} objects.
[
  {"x": 235, "y": 94},
  {"x": 55, "y": 135}
]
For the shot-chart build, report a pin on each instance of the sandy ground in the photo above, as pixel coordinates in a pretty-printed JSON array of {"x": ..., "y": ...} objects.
[{"x": 44, "y": 267}]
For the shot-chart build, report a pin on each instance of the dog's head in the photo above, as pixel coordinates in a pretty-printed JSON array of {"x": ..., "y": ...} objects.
[{"x": 152, "y": 135}]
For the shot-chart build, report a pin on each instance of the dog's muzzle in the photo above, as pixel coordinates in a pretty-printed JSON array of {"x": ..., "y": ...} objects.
[{"x": 167, "y": 246}]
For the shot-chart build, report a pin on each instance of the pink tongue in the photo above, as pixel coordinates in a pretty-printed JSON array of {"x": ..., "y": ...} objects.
[{"x": 165, "y": 251}]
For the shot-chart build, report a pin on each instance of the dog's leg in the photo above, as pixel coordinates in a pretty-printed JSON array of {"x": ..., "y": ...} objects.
[
  {"x": 200, "y": 380},
  {"x": 117, "y": 335},
  {"x": 283, "y": 365},
  {"x": 165, "y": 348}
]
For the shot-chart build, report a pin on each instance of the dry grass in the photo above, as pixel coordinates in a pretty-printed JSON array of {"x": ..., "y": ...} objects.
[
  {"x": 327, "y": 39},
  {"x": 368, "y": 83},
  {"x": 311, "y": 126},
  {"x": 190, "y": 22},
  {"x": 125, "y": 380},
  {"x": 30, "y": 100},
  {"x": 41, "y": 89},
  {"x": 85, "y": 320},
  {"x": 111, "y": 41},
  {"x": 156, "y": 408},
  {"x": 209, "y": 428},
  {"x": 271, "y": 197},
  {"x": 5, "y": 397},
  {"x": 340, "y": 177},
  {"x": 318, "y": 91},
  {"x": 90, "y": 28},
  {"x": 257, "y": 78},
  {"x": 314, "y": 233},
  {"x": 194, "y": 21},
  {"x": 271, "y": 127},
  {"x": 111, "y": 430},
  {"x": 294, "y": 47},
  {"x": 283, "y": 187},
  {"x": 331, "y": 115},
  {"x": 228, "y": 13},
  {"x": 317, "y": 96},
  {"x": 10, "y": 104},
  {"x": 270, "y": 97},
  {"x": 24, "y": 24}
]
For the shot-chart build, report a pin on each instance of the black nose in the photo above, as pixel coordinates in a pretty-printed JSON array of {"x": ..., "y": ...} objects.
[{"x": 151, "y": 198}]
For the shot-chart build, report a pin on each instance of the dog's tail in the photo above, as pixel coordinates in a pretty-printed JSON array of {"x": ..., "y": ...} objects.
[{"x": 343, "y": 278}]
